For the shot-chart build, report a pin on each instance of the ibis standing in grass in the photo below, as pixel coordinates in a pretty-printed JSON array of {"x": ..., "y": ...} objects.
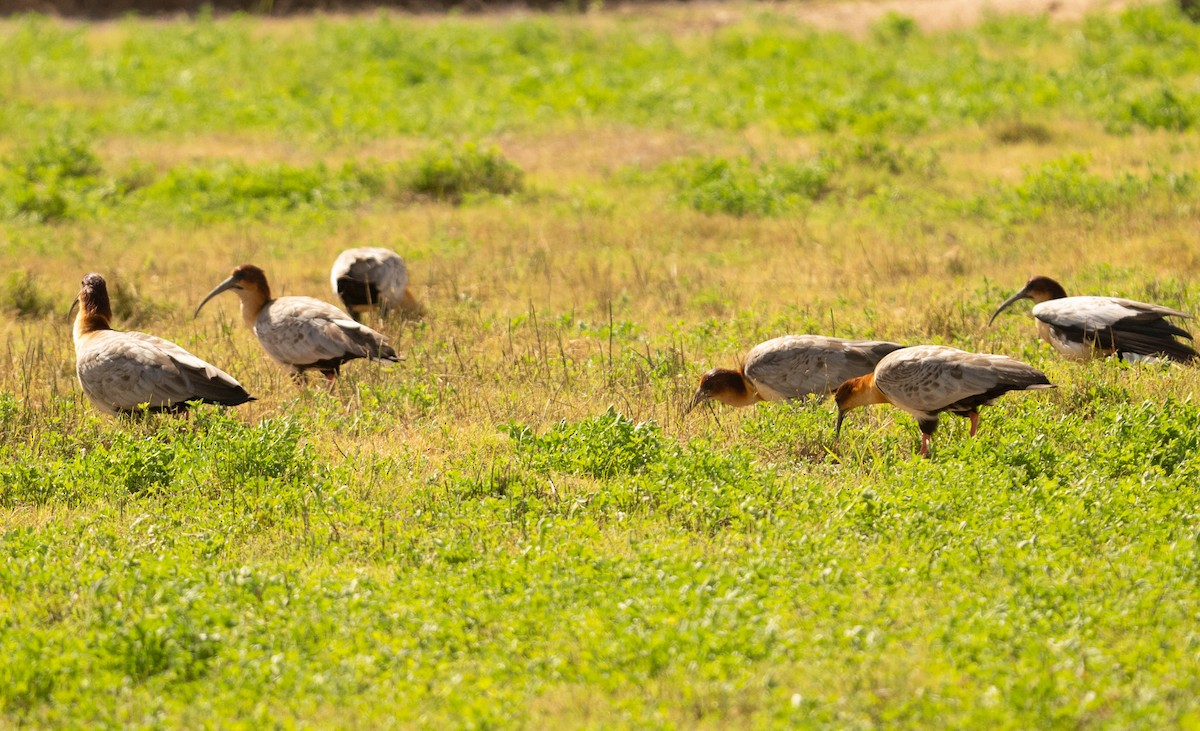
[
  {"x": 124, "y": 372},
  {"x": 1084, "y": 327},
  {"x": 301, "y": 333},
  {"x": 791, "y": 367},
  {"x": 370, "y": 277},
  {"x": 927, "y": 380}
]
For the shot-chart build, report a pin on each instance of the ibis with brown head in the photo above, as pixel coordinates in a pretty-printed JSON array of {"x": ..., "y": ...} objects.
[
  {"x": 1085, "y": 327},
  {"x": 125, "y": 372},
  {"x": 301, "y": 333},
  {"x": 791, "y": 367},
  {"x": 373, "y": 277},
  {"x": 928, "y": 380}
]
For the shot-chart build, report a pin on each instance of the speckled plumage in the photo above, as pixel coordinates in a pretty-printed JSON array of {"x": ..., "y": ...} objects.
[
  {"x": 125, "y": 371},
  {"x": 928, "y": 380},
  {"x": 791, "y": 367},
  {"x": 794, "y": 366},
  {"x": 306, "y": 333},
  {"x": 301, "y": 333}
]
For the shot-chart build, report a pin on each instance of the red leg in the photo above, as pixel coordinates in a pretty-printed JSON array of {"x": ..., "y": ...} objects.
[
  {"x": 925, "y": 439},
  {"x": 974, "y": 417}
]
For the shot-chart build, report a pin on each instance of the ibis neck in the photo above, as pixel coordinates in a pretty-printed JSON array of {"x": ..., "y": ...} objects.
[
  {"x": 89, "y": 322},
  {"x": 868, "y": 393},
  {"x": 747, "y": 395},
  {"x": 253, "y": 303}
]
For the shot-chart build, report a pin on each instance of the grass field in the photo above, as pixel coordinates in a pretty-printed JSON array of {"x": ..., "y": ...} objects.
[{"x": 514, "y": 527}]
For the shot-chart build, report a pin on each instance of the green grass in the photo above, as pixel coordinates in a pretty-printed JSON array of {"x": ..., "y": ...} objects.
[{"x": 515, "y": 526}]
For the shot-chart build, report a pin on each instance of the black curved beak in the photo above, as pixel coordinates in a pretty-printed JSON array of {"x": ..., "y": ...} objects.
[
  {"x": 700, "y": 397},
  {"x": 1023, "y": 294},
  {"x": 71, "y": 312},
  {"x": 228, "y": 284},
  {"x": 837, "y": 432}
]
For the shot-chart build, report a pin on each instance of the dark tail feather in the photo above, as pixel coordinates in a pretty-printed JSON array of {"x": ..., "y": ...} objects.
[{"x": 1149, "y": 345}]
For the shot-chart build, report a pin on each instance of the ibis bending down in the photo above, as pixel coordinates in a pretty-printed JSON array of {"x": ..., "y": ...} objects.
[
  {"x": 123, "y": 372},
  {"x": 791, "y": 367},
  {"x": 373, "y": 277},
  {"x": 928, "y": 379},
  {"x": 301, "y": 333},
  {"x": 1082, "y": 327}
]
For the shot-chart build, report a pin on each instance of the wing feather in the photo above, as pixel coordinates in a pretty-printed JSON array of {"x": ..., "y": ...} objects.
[
  {"x": 932, "y": 378},
  {"x": 794, "y": 366}
]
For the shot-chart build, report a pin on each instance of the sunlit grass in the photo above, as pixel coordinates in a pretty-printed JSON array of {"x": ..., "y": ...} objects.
[{"x": 515, "y": 526}]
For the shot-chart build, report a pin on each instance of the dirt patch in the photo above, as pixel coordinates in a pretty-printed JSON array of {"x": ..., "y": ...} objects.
[{"x": 857, "y": 16}]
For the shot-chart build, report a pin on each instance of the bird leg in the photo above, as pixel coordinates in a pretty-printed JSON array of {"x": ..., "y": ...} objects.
[
  {"x": 974, "y": 417},
  {"x": 925, "y": 440}
]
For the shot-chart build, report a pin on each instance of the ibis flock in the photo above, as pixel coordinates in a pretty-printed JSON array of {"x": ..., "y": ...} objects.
[{"x": 127, "y": 372}]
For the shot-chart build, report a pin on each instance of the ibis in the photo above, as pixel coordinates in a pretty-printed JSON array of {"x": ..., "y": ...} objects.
[
  {"x": 124, "y": 372},
  {"x": 927, "y": 380},
  {"x": 301, "y": 333},
  {"x": 372, "y": 276},
  {"x": 791, "y": 367},
  {"x": 1083, "y": 327}
]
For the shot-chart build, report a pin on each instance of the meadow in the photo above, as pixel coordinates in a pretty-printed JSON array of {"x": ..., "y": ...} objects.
[{"x": 515, "y": 527}]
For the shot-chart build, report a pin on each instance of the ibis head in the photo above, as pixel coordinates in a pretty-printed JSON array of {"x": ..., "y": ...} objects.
[
  {"x": 856, "y": 392},
  {"x": 724, "y": 385},
  {"x": 1039, "y": 289},
  {"x": 95, "y": 310},
  {"x": 250, "y": 284}
]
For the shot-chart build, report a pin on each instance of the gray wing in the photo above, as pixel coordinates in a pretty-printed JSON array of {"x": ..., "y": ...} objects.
[
  {"x": 930, "y": 378},
  {"x": 123, "y": 370},
  {"x": 1114, "y": 325},
  {"x": 303, "y": 330},
  {"x": 797, "y": 365},
  {"x": 1098, "y": 313}
]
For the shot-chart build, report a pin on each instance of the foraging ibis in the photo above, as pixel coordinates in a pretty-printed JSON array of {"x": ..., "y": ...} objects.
[
  {"x": 927, "y": 380},
  {"x": 373, "y": 277},
  {"x": 1082, "y": 327},
  {"x": 791, "y": 367},
  {"x": 124, "y": 372},
  {"x": 301, "y": 333}
]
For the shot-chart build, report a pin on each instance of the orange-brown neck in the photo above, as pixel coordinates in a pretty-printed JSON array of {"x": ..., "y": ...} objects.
[
  {"x": 860, "y": 391},
  {"x": 741, "y": 394},
  {"x": 727, "y": 386},
  {"x": 91, "y": 321},
  {"x": 254, "y": 297}
]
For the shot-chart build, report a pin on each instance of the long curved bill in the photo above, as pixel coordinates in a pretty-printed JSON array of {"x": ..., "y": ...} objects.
[
  {"x": 71, "y": 312},
  {"x": 1016, "y": 297},
  {"x": 228, "y": 284},
  {"x": 837, "y": 432},
  {"x": 698, "y": 399}
]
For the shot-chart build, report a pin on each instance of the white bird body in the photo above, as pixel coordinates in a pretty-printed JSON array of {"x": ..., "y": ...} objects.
[
  {"x": 791, "y": 367},
  {"x": 928, "y": 380},
  {"x": 1082, "y": 328},
  {"x": 301, "y": 333},
  {"x": 372, "y": 276},
  {"x": 121, "y": 372}
]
